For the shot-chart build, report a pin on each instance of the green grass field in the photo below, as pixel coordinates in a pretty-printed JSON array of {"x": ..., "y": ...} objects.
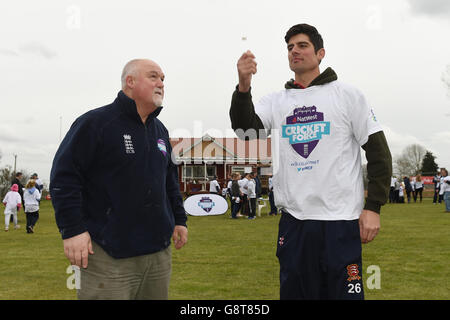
[{"x": 235, "y": 259}]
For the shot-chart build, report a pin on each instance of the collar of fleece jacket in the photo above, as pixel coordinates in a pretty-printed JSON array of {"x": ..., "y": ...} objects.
[{"x": 325, "y": 77}]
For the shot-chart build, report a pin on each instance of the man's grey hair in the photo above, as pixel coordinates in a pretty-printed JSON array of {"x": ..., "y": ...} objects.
[{"x": 129, "y": 70}]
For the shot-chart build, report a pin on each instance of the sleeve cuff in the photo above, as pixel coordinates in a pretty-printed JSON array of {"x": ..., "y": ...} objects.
[
  {"x": 69, "y": 232},
  {"x": 181, "y": 223},
  {"x": 243, "y": 95},
  {"x": 372, "y": 206}
]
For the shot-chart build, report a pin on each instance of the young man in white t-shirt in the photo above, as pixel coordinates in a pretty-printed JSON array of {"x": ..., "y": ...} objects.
[
  {"x": 251, "y": 193},
  {"x": 214, "y": 186},
  {"x": 243, "y": 185},
  {"x": 318, "y": 125}
]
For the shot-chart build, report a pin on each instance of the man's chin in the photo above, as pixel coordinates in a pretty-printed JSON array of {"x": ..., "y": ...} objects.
[{"x": 158, "y": 101}]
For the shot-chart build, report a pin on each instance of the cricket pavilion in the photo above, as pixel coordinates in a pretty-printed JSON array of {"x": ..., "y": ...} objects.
[{"x": 200, "y": 159}]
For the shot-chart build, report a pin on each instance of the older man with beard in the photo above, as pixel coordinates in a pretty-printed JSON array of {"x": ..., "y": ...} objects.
[{"x": 116, "y": 194}]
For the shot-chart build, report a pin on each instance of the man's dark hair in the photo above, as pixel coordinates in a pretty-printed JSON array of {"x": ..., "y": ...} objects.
[
  {"x": 18, "y": 174},
  {"x": 310, "y": 31}
]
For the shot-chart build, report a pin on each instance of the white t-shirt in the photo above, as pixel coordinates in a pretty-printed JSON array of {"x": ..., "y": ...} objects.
[
  {"x": 12, "y": 199},
  {"x": 243, "y": 185},
  {"x": 270, "y": 184},
  {"x": 445, "y": 185},
  {"x": 213, "y": 186},
  {"x": 317, "y": 133},
  {"x": 251, "y": 187},
  {"x": 393, "y": 181}
]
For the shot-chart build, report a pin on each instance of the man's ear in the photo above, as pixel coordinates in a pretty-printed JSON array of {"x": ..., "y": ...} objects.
[
  {"x": 130, "y": 81},
  {"x": 320, "y": 54}
]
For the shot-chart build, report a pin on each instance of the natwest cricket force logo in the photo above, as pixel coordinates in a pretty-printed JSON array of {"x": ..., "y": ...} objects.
[
  {"x": 304, "y": 129},
  {"x": 206, "y": 204}
]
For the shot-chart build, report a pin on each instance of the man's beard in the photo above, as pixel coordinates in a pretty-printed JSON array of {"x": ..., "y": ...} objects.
[{"x": 157, "y": 100}]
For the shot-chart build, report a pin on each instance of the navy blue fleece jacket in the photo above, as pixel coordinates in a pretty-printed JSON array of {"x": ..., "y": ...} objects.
[{"x": 113, "y": 176}]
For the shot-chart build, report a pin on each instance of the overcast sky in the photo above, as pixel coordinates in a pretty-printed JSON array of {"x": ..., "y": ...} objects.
[{"x": 59, "y": 59}]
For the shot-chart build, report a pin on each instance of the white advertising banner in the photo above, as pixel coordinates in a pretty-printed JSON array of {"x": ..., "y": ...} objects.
[{"x": 205, "y": 205}]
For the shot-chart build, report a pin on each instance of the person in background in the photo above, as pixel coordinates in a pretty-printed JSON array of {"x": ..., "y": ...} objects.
[
  {"x": 258, "y": 186},
  {"x": 437, "y": 187},
  {"x": 418, "y": 188},
  {"x": 413, "y": 188},
  {"x": 235, "y": 195},
  {"x": 396, "y": 190},
  {"x": 12, "y": 202},
  {"x": 273, "y": 208},
  {"x": 214, "y": 186},
  {"x": 401, "y": 197},
  {"x": 408, "y": 188},
  {"x": 229, "y": 183},
  {"x": 442, "y": 186},
  {"x": 17, "y": 180},
  {"x": 243, "y": 185},
  {"x": 446, "y": 188},
  {"x": 31, "y": 196},
  {"x": 251, "y": 197},
  {"x": 391, "y": 190},
  {"x": 39, "y": 184}
]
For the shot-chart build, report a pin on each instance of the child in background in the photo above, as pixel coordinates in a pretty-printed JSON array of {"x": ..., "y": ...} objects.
[
  {"x": 401, "y": 193},
  {"x": 31, "y": 197},
  {"x": 12, "y": 202}
]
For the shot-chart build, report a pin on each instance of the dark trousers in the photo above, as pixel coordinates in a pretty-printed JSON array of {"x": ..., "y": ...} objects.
[
  {"x": 273, "y": 208},
  {"x": 32, "y": 218},
  {"x": 418, "y": 192},
  {"x": 235, "y": 206},
  {"x": 396, "y": 196},
  {"x": 244, "y": 205},
  {"x": 319, "y": 259},
  {"x": 436, "y": 197},
  {"x": 391, "y": 194},
  {"x": 408, "y": 195},
  {"x": 252, "y": 207}
]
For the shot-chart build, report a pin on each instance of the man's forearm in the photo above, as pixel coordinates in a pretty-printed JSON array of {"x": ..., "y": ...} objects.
[
  {"x": 379, "y": 171},
  {"x": 242, "y": 112}
]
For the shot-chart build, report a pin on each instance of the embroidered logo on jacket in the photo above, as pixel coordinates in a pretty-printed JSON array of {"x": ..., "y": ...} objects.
[
  {"x": 162, "y": 146},
  {"x": 305, "y": 129},
  {"x": 128, "y": 143}
]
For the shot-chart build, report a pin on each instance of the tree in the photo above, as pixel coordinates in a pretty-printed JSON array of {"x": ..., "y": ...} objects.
[
  {"x": 429, "y": 166},
  {"x": 6, "y": 177},
  {"x": 409, "y": 163}
]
